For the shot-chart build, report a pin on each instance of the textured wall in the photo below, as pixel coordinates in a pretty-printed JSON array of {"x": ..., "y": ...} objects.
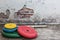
[{"x": 43, "y": 7}]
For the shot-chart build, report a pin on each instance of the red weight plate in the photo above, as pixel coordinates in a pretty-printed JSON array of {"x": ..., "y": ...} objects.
[{"x": 27, "y": 32}]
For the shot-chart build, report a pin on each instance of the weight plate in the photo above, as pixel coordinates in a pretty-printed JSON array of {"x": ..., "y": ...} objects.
[
  {"x": 9, "y": 30},
  {"x": 10, "y": 25},
  {"x": 11, "y": 35},
  {"x": 27, "y": 32}
]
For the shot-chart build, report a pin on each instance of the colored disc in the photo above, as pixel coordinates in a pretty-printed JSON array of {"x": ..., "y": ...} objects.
[
  {"x": 10, "y": 25},
  {"x": 27, "y": 32},
  {"x": 11, "y": 35},
  {"x": 9, "y": 30}
]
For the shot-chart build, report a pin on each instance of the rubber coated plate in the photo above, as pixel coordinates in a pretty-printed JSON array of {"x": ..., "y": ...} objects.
[
  {"x": 11, "y": 35},
  {"x": 27, "y": 32},
  {"x": 9, "y": 30},
  {"x": 10, "y": 25}
]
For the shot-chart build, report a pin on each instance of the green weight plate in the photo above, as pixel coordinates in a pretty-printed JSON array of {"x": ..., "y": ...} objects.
[{"x": 11, "y": 35}]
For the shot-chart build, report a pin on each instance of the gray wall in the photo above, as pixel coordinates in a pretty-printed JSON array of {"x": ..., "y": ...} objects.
[{"x": 44, "y": 8}]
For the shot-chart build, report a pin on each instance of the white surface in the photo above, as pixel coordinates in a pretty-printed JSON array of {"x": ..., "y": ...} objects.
[{"x": 43, "y": 7}]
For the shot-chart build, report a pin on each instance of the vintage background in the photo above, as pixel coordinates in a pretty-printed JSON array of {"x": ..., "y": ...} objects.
[{"x": 43, "y": 8}]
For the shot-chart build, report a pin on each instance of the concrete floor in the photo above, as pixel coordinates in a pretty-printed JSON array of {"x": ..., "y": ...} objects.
[{"x": 49, "y": 33}]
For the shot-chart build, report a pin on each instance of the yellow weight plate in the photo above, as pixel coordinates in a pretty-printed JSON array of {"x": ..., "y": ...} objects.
[{"x": 10, "y": 25}]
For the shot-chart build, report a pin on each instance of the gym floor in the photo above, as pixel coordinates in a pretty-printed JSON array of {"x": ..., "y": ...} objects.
[{"x": 49, "y": 33}]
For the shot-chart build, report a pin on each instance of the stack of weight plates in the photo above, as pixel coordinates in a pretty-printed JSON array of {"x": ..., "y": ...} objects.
[{"x": 10, "y": 30}]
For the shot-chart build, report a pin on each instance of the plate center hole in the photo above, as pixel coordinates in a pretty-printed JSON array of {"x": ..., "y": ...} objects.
[
  {"x": 9, "y": 25},
  {"x": 27, "y": 30}
]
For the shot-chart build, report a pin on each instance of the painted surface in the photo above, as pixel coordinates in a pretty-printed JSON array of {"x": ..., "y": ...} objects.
[{"x": 42, "y": 8}]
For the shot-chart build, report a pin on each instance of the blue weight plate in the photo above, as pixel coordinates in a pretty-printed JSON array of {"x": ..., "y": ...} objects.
[{"x": 9, "y": 30}]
